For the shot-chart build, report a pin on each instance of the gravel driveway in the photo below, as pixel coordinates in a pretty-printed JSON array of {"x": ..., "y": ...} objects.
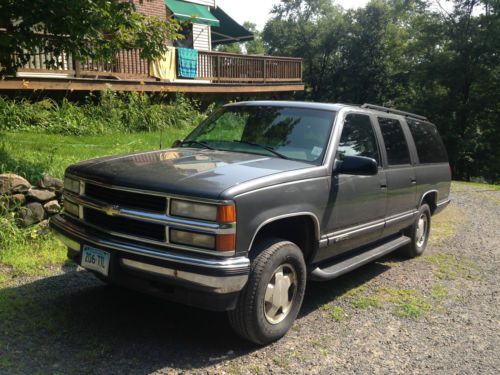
[{"x": 438, "y": 314}]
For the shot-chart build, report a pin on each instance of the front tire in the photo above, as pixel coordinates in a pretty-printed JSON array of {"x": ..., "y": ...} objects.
[
  {"x": 418, "y": 233},
  {"x": 272, "y": 298}
]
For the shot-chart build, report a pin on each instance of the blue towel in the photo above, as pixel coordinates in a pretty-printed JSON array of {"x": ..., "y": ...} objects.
[{"x": 187, "y": 62}]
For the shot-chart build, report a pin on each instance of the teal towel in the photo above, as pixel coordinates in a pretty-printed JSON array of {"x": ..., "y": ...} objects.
[{"x": 187, "y": 62}]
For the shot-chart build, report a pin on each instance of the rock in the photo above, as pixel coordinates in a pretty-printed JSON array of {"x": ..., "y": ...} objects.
[
  {"x": 51, "y": 183},
  {"x": 43, "y": 227},
  {"x": 53, "y": 207},
  {"x": 40, "y": 195},
  {"x": 12, "y": 183},
  {"x": 18, "y": 199},
  {"x": 31, "y": 214}
]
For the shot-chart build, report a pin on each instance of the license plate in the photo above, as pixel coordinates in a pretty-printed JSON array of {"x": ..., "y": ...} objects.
[{"x": 95, "y": 259}]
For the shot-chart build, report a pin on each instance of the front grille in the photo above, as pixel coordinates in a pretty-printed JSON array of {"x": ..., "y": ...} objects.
[
  {"x": 126, "y": 199},
  {"x": 126, "y": 226}
]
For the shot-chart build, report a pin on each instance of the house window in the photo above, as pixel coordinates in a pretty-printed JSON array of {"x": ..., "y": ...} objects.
[{"x": 187, "y": 33}]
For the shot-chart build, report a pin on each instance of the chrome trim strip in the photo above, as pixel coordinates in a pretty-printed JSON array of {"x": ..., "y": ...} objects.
[
  {"x": 399, "y": 217},
  {"x": 227, "y": 284},
  {"x": 443, "y": 202},
  {"x": 236, "y": 263},
  {"x": 347, "y": 233}
]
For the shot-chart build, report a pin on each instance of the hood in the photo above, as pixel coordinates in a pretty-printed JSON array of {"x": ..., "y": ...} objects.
[{"x": 183, "y": 171}]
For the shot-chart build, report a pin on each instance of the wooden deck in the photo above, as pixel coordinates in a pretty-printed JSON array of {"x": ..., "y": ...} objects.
[{"x": 217, "y": 73}]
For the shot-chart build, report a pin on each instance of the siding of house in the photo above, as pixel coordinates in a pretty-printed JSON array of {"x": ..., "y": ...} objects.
[{"x": 201, "y": 37}]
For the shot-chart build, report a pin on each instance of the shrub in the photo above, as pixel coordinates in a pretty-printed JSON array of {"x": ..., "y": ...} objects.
[{"x": 111, "y": 112}]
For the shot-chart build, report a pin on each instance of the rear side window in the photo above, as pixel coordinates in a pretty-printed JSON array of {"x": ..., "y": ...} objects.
[
  {"x": 358, "y": 138},
  {"x": 395, "y": 141},
  {"x": 430, "y": 147}
]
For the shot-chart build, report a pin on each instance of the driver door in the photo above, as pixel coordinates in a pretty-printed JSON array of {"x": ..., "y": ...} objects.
[{"x": 356, "y": 208}]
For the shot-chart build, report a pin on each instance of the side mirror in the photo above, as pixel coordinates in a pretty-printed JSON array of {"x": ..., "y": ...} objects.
[
  {"x": 357, "y": 165},
  {"x": 177, "y": 143}
]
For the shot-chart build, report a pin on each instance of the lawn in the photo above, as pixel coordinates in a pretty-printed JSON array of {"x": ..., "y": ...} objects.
[
  {"x": 31, "y": 154},
  {"x": 34, "y": 251}
]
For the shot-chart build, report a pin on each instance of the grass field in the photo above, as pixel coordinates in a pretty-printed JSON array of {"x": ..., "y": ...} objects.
[
  {"x": 31, "y": 155},
  {"x": 33, "y": 251}
]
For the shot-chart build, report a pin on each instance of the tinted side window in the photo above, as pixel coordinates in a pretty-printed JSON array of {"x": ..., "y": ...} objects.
[
  {"x": 430, "y": 147},
  {"x": 395, "y": 141},
  {"x": 358, "y": 138}
]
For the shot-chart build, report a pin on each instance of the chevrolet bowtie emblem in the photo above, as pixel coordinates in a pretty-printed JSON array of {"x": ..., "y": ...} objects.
[{"x": 112, "y": 210}]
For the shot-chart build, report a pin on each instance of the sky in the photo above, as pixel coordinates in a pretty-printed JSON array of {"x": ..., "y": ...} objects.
[{"x": 257, "y": 11}]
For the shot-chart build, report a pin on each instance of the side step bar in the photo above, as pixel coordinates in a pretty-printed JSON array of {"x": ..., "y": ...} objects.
[{"x": 347, "y": 265}]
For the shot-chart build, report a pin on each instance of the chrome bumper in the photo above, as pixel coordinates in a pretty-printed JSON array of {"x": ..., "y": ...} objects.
[{"x": 220, "y": 275}]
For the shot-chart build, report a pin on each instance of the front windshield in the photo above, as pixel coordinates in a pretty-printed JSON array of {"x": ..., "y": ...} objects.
[{"x": 286, "y": 132}]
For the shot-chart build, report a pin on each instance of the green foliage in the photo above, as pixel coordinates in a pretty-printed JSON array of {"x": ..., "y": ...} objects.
[
  {"x": 93, "y": 29},
  {"x": 112, "y": 113},
  {"x": 32, "y": 155},
  {"x": 406, "y": 54}
]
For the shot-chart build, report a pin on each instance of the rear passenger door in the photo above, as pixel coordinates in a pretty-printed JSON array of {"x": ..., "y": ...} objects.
[{"x": 400, "y": 175}]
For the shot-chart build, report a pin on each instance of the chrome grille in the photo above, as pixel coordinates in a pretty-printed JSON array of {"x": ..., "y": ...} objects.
[{"x": 128, "y": 199}]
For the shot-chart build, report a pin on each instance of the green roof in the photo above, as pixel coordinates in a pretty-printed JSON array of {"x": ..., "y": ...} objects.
[
  {"x": 229, "y": 30},
  {"x": 191, "y": 12}
]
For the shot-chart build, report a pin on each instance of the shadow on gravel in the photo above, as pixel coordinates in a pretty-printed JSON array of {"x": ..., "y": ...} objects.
[{"x": 73, "y": 324}]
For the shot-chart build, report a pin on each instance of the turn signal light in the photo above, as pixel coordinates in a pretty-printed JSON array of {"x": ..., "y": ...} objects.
[
  {"x": 226, "y": 214},
  {"x": 226, "y": 242}
]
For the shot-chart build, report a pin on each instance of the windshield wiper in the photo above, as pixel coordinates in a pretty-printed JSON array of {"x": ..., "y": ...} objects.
[
  {"x": 268, "y": 148},
  {"x": 200, "y": 143}
]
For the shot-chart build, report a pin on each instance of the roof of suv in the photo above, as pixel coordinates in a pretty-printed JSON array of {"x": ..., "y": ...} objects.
[
  {"x": 328, "y": 107},
  {"x": 311, "y": 105}
]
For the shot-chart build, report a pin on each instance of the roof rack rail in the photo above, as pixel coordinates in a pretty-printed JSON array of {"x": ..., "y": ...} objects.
[{"x": 395, "y": 111}]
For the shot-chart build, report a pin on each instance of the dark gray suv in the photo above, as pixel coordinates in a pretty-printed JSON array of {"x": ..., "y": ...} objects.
[{"x": 256, "y": 200}]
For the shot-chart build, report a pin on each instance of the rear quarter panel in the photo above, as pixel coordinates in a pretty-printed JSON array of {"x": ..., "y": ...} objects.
[{"x": 433, "y": 177}]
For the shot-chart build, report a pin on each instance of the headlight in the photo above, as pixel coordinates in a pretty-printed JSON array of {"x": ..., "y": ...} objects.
[
  {"x": 222, "y": 214},
  {"x": 71, "y": 208},
  {"x": 193, "y": 210},
  {"x": 72, "y": 185},
  {"x": 180, "y": 237}
]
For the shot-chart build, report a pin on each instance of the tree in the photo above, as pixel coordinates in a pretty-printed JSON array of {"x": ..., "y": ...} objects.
[{"x": 85, "y": 28}]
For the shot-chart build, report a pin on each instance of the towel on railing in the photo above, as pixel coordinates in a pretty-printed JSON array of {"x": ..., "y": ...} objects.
[
  {"x": 164, "y": 67},
  {"x": 187, "y": 62}
]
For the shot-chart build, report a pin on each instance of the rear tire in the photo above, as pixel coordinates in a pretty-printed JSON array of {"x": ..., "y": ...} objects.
[
  {"x": 418, "y": 233},
  {"x": 272, "y": 298}
]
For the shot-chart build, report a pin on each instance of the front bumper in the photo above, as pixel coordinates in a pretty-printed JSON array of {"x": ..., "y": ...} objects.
[{"x": 137, "y": 265}]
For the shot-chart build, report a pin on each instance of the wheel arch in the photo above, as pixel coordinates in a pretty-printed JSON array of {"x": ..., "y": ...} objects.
[
  {"x": 429, "y": 197},
  {"x": 290, "y": 227}
]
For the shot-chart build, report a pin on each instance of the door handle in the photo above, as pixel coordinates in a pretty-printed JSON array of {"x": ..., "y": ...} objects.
[
  {"x": 383, "y": 186},
  {"x": 413, "y": 180}
]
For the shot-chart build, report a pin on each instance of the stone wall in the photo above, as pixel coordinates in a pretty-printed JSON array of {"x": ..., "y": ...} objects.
[{"x": 30, "y": 204}]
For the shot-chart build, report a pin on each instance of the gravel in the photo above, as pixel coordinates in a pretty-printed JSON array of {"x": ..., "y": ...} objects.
[{"x": 436, "y": 314}]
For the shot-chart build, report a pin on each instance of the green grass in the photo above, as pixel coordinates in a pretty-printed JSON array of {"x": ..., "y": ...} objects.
[
  {"x": 31, "y": 251},
  {"x": 452, "y": 266},
  {"x": 32, "y": 155},
  {"x": 336, "y": 313}
]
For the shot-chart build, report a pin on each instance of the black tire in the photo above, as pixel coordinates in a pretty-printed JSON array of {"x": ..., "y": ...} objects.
[
  {"x": 418, "y": 239},
  {"x": 276, "y": 260}
]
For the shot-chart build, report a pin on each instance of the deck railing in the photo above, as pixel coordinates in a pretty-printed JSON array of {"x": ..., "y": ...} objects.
[{"x": 216, "y": 67}]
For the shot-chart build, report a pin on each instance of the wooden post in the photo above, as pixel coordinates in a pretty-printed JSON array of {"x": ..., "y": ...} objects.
[
  {"x": 78, "y": 67},
  {"x": 264, "y": 70}
]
